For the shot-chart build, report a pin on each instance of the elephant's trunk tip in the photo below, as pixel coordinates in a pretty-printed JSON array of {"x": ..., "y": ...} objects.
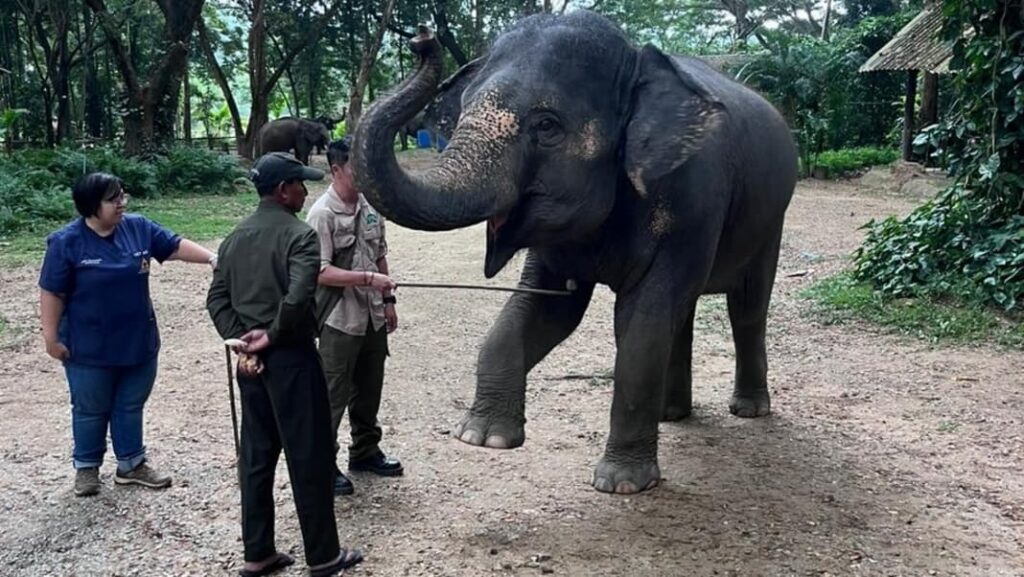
[{"x": 423, "y": 43}]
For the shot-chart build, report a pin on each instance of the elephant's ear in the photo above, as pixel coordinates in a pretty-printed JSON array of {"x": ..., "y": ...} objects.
[
  {"x": 444, "y": 111},
  {"x": 673, "y": 113}
]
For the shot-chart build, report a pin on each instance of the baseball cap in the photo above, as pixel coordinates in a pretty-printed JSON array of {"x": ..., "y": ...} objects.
[{"x": 274, "y": 168}]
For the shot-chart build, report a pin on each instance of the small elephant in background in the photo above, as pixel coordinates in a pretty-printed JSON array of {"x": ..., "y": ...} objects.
[
  {"x": 289, "y": 133},
  {"x": 411, "y": 130}
]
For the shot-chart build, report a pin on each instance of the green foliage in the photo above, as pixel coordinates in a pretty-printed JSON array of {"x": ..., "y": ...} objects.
[
  {"x": 35, "y": 184},
  {"x": 817, "y": 87},
  {"x": 21, "y": 204},
  {"x": 837, "y": 163},
  {"x": 340, "y": 129},
  {"x": 969, "y": 242},
  {"x": 138, "y": 176},
  {"x": 188, "y": 170},
  {"x": 7, "y": 119},
  {"x": 195, "y": 217},
  {"x": 842, "y": 298},
  {"x": 947, "y": 248}
]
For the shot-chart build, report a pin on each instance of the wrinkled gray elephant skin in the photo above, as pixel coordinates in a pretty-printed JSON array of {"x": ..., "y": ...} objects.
[
  {"x": 652, "y": 174},
  {"x": 293, "y": 134}
]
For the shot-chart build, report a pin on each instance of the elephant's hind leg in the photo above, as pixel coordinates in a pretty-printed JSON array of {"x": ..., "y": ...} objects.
[
  {"x": 679, "y": 376},
  {"x": 748, "y": 314}
]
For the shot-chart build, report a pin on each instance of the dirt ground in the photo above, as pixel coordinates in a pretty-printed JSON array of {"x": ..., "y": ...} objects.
[{"x": 884, "y": 455}]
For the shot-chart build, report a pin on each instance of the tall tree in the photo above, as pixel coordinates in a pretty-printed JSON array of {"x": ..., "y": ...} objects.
[
  {"x": 153, "y": 103},
  {"x": 369, "y": 57},
  {"x": 262, "y": 79},
  {"x": 52, "y": 23}
]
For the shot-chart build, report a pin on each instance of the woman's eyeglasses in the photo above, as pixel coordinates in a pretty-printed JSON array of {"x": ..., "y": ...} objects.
[{"x": 119, "y": 198}]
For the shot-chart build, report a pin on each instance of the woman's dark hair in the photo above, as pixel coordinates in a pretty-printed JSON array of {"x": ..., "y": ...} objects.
[{"x": 92, "y": 189}]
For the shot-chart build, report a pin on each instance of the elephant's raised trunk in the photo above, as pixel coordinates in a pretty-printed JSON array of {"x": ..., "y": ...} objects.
[{"x": 472, "y": 181}]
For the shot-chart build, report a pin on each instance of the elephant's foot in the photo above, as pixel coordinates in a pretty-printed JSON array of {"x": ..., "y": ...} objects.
[
  {"x": 496, "y": 432},
  {"x": 675, "y": 412},
  {"x": 753, "y": 405},
  {"x": 626, "y": 478}
]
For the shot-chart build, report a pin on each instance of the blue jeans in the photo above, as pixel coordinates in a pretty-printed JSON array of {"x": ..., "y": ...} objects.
[{"x": 114, "y": 396}]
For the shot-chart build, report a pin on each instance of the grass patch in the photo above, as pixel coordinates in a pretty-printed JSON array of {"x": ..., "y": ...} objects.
[
  {"x": 840, "y": 299},
  {"x": 199, "y": 217},
  {"x": 194, "y": 217}
]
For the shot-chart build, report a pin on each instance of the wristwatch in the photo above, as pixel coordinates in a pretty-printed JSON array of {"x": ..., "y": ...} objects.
[{"x": 390, "y": 299}]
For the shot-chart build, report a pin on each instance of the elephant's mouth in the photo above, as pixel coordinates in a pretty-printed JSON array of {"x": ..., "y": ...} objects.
[{"x": 499, "y": 249}]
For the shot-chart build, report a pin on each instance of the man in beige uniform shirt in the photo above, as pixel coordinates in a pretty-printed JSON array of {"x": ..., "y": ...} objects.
[{"x": 353, "y": 340}]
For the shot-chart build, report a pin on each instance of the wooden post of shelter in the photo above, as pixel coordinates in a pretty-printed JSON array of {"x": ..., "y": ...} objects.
[
  {"x": 907, "y": 140},
  {"x": 916, "y": 47}
]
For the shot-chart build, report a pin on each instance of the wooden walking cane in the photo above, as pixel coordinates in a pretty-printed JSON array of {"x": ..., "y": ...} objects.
[{"x": 231, "y": 396}]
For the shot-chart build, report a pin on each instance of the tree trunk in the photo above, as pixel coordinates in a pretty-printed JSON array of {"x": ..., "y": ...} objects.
[
  {"x": 61, "y": 17},
  {"x": 262, "y": 84},
  {"x": 827, "y": 21},
  {"x": 186, "y": 109},
  {"x": 311, "y": 86},
  {"x": 908, "y": 117},
  {"x": 930, "y": 100},
  {"x": 206, "y": 45},
  {"x": 445, "y": 35},
  {"x": 51, "y": 137},
  {"x": 369, "y": 58},
  {"x": 91, "y": 81},
  {"x": 153, "y": 105}
]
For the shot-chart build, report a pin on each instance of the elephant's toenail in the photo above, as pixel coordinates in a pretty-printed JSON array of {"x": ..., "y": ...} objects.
[
  {"x": 496, "y": 442},
  {"x": 625, "y": 488},
  {"x": 472, "y": 437}
]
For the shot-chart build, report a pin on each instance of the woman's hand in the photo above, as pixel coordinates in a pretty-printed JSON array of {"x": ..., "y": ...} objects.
[{"x": 57, "y": 350}]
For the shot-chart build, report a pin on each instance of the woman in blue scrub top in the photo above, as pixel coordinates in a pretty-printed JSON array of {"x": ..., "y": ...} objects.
[{"x": 98, "y": 320}]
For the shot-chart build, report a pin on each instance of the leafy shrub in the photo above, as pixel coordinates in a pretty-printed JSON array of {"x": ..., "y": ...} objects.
[
  {"x": 836, "y": 163},
  {"x": 35, "y": 184},
  {"x": 24, "y": 205},
  {"x": 340, "y": 129},
  {"x": 969, "y": 242},
  {"x": 946, "y": 248},
  {"x": 196, "y": 171},
  {"x": 139, "y": 178}
]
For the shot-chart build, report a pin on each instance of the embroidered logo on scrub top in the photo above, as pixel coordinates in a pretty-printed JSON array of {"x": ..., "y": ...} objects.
[{"x": 371, "y": 218}]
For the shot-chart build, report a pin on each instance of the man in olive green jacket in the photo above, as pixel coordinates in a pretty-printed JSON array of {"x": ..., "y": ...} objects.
[{"x": 263, "y": 293}]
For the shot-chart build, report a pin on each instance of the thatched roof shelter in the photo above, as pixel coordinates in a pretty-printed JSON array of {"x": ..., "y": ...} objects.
[{"x": 916, "y": 46}]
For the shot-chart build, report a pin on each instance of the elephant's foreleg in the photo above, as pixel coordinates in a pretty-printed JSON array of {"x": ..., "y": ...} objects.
[
  {"x": 679, "y": 375},
  {"x": 748, "y": 314},
  {"x": 528, "y": 327},
  {"x": 644, "y": 325}
]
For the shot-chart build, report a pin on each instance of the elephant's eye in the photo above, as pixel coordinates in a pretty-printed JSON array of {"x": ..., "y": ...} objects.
[{"x": 548, "y": 131}]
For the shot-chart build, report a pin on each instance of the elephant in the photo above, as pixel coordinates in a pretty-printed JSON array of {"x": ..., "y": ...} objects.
[
  {"x": 649, "y": 173},
  {"x": 288, "y": 133},
  {"x": 411, "y": 130}
]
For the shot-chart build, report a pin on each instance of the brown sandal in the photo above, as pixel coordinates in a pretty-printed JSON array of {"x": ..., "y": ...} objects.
[{"x": 348, "y": 558}]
